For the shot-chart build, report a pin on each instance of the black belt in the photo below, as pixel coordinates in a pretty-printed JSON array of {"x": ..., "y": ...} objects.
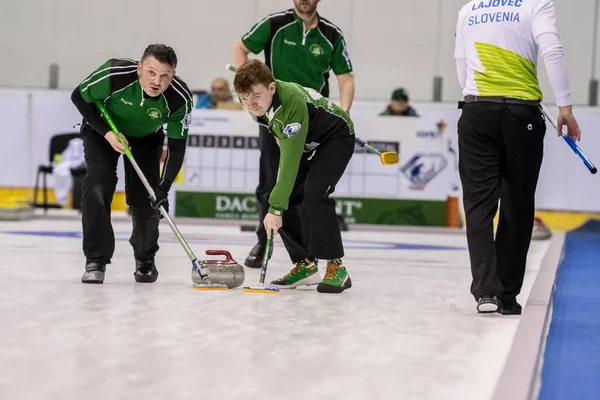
[{"x": 498, "y": 99}]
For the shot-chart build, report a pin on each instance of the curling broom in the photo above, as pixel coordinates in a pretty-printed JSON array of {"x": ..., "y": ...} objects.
[
  {"x": 263, "y": 272},
  {"x": 387, "y": 157}
]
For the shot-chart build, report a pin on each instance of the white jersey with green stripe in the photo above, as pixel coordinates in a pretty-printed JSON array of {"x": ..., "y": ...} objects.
[{"x": 497, "y": 38}]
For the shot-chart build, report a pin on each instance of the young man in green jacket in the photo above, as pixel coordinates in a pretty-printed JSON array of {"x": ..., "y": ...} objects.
[
  {"x": 316, "y": 140},
  {"x": 303, "y": 47}
]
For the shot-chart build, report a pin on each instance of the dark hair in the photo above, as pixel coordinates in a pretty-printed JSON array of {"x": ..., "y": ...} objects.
[
  {"x": 249, "y": 74},
  {"x": 162, "y": 53}
]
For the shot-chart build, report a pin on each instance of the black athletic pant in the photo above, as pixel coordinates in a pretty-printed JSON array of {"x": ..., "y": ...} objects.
[
  {"x": 500, "y": 154},
  {"x": 99, "y": 186},
  {"x": 310, "y": 205}
]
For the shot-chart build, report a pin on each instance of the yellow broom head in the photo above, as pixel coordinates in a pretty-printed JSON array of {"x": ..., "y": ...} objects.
[
  {"x": 260, "y": 289},
  {"x": 390, "y": 157}
]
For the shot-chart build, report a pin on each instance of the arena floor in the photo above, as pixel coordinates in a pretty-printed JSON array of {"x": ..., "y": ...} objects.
[{"x": 408, "y": 329}]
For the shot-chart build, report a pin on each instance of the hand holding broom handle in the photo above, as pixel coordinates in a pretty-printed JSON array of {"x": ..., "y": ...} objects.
[{"x": 570, "y": 141}]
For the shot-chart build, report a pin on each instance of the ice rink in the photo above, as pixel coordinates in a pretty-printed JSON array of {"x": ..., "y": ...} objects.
[{"x": 408, "y": 328}]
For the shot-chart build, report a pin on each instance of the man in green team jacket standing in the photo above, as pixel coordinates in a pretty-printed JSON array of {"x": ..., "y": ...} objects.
[
  {"x": 140, "y": 97},
  {"x": 300, "y": 46},
  {"x": 316, "y": 138}
]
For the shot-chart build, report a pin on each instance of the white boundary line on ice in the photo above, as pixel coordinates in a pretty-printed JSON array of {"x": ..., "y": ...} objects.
[{"x": 520, "y": 378}]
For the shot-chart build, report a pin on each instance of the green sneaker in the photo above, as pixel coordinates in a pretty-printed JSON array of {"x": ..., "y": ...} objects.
[
  {"x": 336, "y": 278},
  {"x": 304, "y": 273}
]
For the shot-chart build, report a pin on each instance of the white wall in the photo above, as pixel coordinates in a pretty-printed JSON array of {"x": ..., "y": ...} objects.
[{"x": 392, "y": 42}]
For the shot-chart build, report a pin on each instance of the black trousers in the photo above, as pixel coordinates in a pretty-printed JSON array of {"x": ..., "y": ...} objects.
[
  {"x": 310, "y": 205},
  {"x": 500, "y": 155},
  {"x": 98, "y": 189}
]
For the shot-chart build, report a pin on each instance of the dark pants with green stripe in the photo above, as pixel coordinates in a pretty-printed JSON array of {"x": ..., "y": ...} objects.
[
  {"x": 500, "y": 155},
  {"x": 99, "y": 187},
  {"x": 310, "y": 204}
]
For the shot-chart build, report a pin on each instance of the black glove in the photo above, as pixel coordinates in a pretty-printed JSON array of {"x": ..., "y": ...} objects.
[{"x": 161, "y": 199}]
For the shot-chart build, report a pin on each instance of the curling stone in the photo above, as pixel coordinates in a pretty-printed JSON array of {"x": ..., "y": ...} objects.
[{"x": 227, "y": 272}]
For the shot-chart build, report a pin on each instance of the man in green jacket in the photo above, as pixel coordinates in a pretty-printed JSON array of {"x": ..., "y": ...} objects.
[
  {"x": 316, "y": 139},
  {"x": 140, "y": 97}
]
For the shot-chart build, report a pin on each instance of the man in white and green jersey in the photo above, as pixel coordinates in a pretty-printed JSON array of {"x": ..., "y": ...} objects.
[
  {"x": 501, "y": 133},
  {"x": 299, "y": 46},
  {"x": 316, "y": 139}
]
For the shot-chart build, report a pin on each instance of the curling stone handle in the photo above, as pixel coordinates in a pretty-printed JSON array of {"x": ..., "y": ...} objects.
[{"x": 220, "y": 253}]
